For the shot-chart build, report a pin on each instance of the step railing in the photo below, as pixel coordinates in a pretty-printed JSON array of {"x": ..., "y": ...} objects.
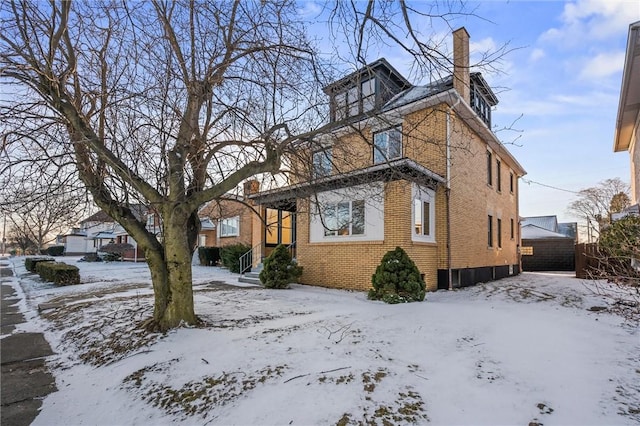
[{"x": 246, "y": 260}]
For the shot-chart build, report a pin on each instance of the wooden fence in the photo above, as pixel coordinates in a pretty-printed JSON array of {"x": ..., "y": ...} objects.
[{"x": 586, "y": 258}]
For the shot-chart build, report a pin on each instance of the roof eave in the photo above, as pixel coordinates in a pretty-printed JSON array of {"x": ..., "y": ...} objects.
[{"x": 627, "y": 112}]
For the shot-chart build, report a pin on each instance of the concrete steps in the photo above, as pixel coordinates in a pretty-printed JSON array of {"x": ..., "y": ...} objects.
[{"x": 252, "y": 277}]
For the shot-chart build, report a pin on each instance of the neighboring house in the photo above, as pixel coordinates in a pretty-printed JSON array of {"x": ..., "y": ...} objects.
[
  {"x": 548, "y": 245},
  {"x": 410, "y": 166},
  {"x": 550, "y": 223},
  {"x": 93, "y": 232},
  {"x": 100, "y": 229},
  {"x": 231, "y": 219},
  {"x": 627, "y": 133}
]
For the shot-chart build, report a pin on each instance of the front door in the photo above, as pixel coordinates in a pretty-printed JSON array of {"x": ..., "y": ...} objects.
[{"x": 280, "y": 228}]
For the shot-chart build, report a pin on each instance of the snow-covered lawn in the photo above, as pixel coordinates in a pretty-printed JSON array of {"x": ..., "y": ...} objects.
[{"x": 519, "y": 351}]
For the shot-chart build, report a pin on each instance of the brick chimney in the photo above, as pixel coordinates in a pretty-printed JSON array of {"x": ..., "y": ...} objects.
[
  {"x": 251, "y": 187},
  {"x": 461, "y": 63}
]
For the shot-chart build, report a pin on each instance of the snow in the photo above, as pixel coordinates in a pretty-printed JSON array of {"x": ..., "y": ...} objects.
[{"x": 519, "y": 350}]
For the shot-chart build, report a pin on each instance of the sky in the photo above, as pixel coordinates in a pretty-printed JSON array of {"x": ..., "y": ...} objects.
[
  {"x": 558, "y": 90},
  {"x": 565, "y": 83}
]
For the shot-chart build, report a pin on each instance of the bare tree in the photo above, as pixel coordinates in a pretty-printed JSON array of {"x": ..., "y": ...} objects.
[
  {"x": 175, "y": 103},
  {"x": 596, "y": 204}
]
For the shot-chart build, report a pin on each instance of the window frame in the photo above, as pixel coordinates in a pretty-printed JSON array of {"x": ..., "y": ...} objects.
[
  {"x": 490, "y": 231},
  {"x": 489, "y": 168},
  {"x": 511, "y": 182},
  {"x": 343, "y": 225},
  {"x": 499, "y": 232},
  {"x": 513, "y": 229},
  {"x": 498, "y": 175},
  {"x": 223, "y": 233},
  {"x": 326, "y": 163},
  {"x": 377, "y": 151},
  {"x": 422, "y": 197}
]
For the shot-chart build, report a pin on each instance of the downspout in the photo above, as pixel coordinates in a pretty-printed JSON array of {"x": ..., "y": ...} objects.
[{"x": 448, "y": 192}]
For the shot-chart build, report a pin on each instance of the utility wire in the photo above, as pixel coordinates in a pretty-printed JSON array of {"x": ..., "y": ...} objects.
[{"x": 529, "y": 182}]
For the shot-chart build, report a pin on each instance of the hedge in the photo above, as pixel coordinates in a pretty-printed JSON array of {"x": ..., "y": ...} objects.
[
  {"x": 55, "y": 250},
  {"x": 208, "y": 256},
  {"x": 231, "y": 256},
  {"x": 58, "y": 272},
  {"x": 31, "y": 262}
]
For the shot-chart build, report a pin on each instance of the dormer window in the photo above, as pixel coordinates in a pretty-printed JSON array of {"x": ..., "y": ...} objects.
[
  {"x": 480, "y": 106},
  {"x": 355, "y": 100},
  {"x": 482, "y": 98},
  {"x": 364, "y": 90}
]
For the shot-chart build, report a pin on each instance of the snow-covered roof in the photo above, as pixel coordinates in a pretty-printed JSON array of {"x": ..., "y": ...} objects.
[
  {"x": 419, "y": 92},
  {"x": 102, "y": 235},
  {"x": 533, "y": 232}
]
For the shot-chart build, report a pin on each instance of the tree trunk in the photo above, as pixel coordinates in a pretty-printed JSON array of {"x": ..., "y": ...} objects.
[{"x": 171, "y": 276}]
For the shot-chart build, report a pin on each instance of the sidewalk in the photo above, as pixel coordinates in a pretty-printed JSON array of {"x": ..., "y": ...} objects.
[{"x": 24, "y": 377}]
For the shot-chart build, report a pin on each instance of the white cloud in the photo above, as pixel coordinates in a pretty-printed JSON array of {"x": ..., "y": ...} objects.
[
  {"x": 310, "y": 9},
  {"x": 536, "y": 55},
  {"x": 593, "y": 20},
  {"x": 603, "y": 65}
]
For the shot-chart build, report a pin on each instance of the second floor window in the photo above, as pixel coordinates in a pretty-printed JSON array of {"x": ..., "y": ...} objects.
[
  {"x": 387, "y": 145},
  {"x": 322, "y": 163},
  {"x": 230, "y": 227},
  {"x": 498, "y": 175}
]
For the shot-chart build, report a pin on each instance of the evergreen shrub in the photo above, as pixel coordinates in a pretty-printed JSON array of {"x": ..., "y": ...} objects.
[
  {"x": 279, "y": 269},
  {"x": 230, "y": 255},
  {"x": 209, "y": 256},
  {"x": 58, "y": 272},
  {"x": 55, "y": 250},
  {"x": 397, "y": 279}
]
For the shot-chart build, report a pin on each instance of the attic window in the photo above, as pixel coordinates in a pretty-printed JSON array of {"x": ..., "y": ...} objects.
[
  {"x": 354, "y": 100},
  {"x": 480, "y": 105}
]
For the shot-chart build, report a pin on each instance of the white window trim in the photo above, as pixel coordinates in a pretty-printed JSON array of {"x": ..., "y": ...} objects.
[
  {"x": 236, "y": 234},
  {"x": 372, "y": 194},
  {"x": 423, "y": 194}
]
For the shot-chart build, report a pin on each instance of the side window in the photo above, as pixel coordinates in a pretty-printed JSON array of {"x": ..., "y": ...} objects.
[
  {"x": 490, "y": 231},
  {"x": 498, "y": 175},
  {"x": 387, "y": 145},
  {"x": 489, "y": 168},
  {"x": 230, "y": 227},
  {"x": 423, "y": 216}
]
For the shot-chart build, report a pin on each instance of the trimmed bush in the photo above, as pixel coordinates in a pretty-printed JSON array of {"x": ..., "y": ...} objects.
[
  {"x": 209, "y": 256},
  {"x": 397, "y": 279},
  {"x": 31, "y": 262},
  {"x": 91, "y": 257},
  {"x": 59, "y": 273},
  {"x": 55, "y": 250},
  {"x": 279, "y": 269},
  {"x": 230, "y": 256}
]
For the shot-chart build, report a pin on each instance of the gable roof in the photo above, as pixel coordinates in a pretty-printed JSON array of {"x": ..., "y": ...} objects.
[
  {"x": 550, "y": 223},
  {"x": 629, "y": 106},
  {"x": 100, "y": 216},
  {"x": 533, "y": 232}
]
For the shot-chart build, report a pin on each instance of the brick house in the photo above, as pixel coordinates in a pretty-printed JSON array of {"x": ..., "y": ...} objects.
[
  {"x": 410, "y": 166},
  {"x": 233, "y": 219}
]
